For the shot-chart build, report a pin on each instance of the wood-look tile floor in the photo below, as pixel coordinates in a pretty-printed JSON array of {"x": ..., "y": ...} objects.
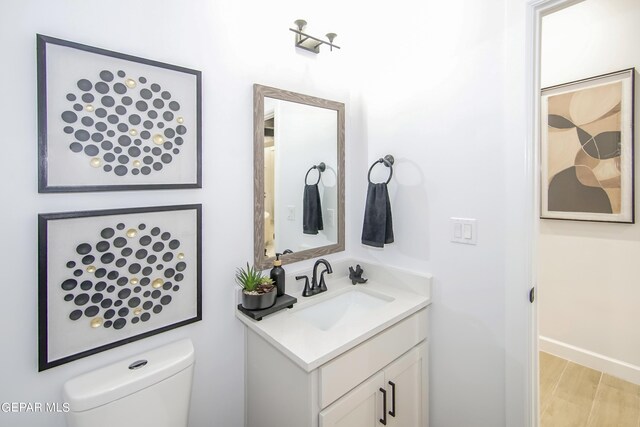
[{"x": 573, "y": 395}]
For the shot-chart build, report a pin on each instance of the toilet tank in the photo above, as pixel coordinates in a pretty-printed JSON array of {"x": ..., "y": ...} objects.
[{"x": 149, "y": 390}]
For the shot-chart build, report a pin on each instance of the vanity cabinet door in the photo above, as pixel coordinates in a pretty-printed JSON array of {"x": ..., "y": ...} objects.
[
  {"x": 406, "y": 384},
  {"x": 361, "y": 407}
]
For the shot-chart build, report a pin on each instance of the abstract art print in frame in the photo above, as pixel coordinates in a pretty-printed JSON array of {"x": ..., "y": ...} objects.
[
  {"x": 108, "y": 121},
  {"x": 110, "y": 277},
  {"x": 587, "y": 167}
]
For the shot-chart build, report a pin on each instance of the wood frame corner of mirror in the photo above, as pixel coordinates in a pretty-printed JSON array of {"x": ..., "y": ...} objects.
[{"x": 299, "y": 177}]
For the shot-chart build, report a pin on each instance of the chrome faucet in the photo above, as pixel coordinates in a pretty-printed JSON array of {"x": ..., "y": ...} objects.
[{"x": 317, "y": 286}]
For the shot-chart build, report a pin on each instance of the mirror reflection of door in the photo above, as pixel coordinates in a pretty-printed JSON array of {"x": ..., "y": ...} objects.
[{"x": 269, "y": 184}]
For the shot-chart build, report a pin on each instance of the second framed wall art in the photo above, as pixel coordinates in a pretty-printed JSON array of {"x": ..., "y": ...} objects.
[
  {"x": 107, "y": 278},
  {"x": 587, "y": 169},
  {"x": 109, "y": 121}
]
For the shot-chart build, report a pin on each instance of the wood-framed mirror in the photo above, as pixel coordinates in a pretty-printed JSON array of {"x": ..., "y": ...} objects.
[{"x": 298, "y": 152}]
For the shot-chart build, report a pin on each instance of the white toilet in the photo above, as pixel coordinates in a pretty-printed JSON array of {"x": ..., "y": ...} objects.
[{"x": 149, "y": 390}]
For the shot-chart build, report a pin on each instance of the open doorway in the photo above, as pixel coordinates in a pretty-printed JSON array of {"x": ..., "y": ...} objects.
[{"x": 588, "y": 272}]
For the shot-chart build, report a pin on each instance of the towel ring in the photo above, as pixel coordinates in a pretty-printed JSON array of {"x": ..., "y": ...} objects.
[
  {"x": 388, "y": 162},
  {"x": 321, "y": 168}
]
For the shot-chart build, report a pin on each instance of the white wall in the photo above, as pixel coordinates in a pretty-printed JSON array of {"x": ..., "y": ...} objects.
[
  {"x": 434, "y": 100},
  {"x": 235, "y": 44},
  {"x": 588, "y": 272}
]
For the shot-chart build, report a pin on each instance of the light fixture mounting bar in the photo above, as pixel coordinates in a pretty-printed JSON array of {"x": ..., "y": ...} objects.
[{"x": 301, "y": 38}]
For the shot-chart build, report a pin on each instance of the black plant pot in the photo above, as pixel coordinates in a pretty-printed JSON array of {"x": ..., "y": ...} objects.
[{"x": 260, "y": 301}]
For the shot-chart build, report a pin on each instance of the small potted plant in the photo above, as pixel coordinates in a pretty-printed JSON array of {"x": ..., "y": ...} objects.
[{"x": 258, "y": 292}]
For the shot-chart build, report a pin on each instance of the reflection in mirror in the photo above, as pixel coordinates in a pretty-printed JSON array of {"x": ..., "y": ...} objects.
[
  {"x": 297, "y": 138},
  {"x": 299, "y": 175}
]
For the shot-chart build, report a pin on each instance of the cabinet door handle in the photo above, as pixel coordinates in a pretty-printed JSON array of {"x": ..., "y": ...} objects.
[
  {"x": 392, "y": 412},
  {"x": 383, "y": 420}
]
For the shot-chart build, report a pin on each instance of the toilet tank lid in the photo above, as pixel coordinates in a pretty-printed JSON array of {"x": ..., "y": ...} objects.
[{"x": 116, "y": 381}]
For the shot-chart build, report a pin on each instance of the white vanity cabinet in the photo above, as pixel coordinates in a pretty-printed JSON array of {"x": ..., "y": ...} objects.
[
  {"x": 396, "y": 396},
  {"x": 361, "y": 407},
  {"x": 390, "y": 369},
  {"x": 406, "y": 382}
]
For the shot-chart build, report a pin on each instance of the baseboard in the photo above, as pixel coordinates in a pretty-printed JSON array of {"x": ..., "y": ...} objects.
[{"x": 600, "y": 362}]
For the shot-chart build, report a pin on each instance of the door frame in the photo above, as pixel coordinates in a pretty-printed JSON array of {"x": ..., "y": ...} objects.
[{"x": 536, "y": 10}]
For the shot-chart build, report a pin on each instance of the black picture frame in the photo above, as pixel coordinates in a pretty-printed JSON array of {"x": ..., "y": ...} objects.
[
  {"x": 84, "y": 291},
  {"x": 592, "y": 145},
  {"x": 88, "y": 154}
]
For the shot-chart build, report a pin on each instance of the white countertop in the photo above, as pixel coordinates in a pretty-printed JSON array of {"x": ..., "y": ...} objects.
[{"x": 309, "y": 346}]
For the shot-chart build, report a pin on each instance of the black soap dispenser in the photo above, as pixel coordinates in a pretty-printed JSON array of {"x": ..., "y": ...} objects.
[{"x": 277, "y": 275}]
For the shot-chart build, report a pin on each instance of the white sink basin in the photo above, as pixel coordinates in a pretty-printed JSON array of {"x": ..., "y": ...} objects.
[
  {"x": 342, "y": 309},
  {"x": 321, "y": 327}
]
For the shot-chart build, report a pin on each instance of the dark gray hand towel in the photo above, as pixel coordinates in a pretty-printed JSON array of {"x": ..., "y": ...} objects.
[
  {"x": 377, "y": 228},
  {"x": 311, "y": 210}
]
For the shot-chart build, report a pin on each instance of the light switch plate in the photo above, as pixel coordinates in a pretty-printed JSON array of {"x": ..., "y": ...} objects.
[
  {"x": 291, "y": 213},
  {"x": 331, "y": 217},
  {"x": 464, "y": 230}
]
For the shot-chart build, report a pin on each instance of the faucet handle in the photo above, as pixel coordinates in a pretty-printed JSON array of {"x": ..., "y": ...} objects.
[{"x": 306, "y": 292}]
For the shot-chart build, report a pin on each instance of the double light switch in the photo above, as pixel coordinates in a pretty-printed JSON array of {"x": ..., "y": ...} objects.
[{"x": 464, "y": 230}]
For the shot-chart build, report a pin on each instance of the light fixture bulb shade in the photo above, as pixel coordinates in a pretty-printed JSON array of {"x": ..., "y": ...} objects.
[
  {"x": 300, "y": 23},
  {"x": 331, "y": 36}
]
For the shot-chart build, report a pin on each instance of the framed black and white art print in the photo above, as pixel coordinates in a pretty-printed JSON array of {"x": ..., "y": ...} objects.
[
  {"x": 109, "y": 121},
  {"x": 110, "y": 277}
]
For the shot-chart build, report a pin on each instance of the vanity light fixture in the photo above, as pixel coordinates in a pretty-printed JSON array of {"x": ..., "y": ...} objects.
[{"x": 310, "y": 43}]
